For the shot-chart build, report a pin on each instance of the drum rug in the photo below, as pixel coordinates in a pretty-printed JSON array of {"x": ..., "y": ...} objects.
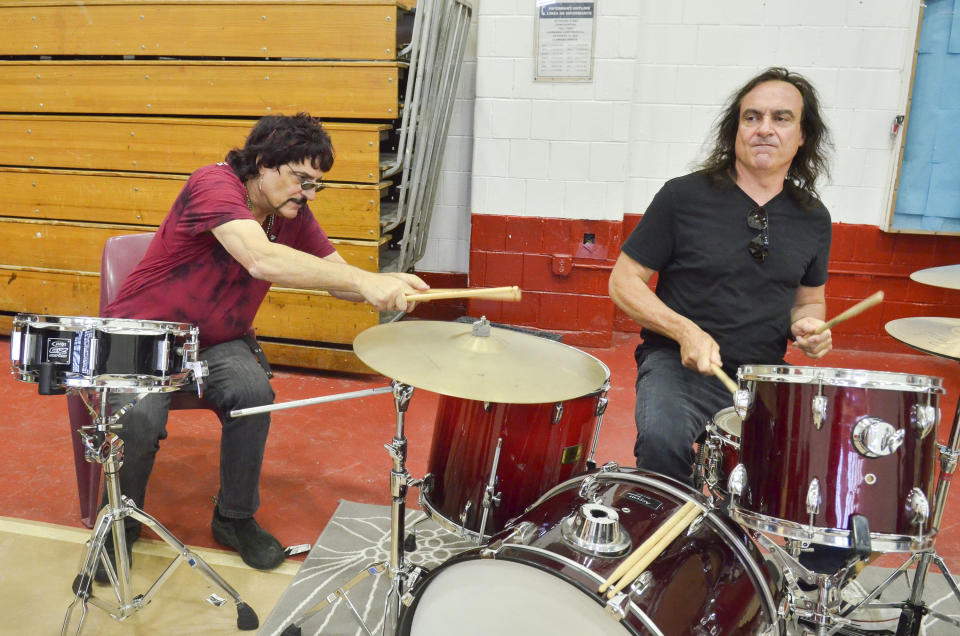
[{"x": 358, "y": 536}]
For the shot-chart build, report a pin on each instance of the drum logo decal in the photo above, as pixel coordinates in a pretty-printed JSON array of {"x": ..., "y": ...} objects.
[
  {"x": 58, "y": 350},
  {"x": 571, "y": 454},
  {"x": 649, "y": 502}
]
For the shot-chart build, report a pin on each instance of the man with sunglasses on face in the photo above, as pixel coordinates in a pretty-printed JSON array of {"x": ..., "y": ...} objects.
[
  {"x": 236, "y": 228},
  {"x": 741, "y": 249}
]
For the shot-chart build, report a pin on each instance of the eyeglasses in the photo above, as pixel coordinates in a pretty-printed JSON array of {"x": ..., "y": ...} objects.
[
  {"x": 307, "y": 184},
  {"x": 759, "y": 244}
]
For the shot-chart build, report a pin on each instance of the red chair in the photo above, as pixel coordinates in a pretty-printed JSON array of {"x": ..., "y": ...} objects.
[{"x": 120, "y": 255}]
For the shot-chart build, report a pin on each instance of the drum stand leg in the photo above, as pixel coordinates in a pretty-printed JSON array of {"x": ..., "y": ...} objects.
[
  {"x": 402, "y": 575},
  {"x": 104, "y": 447},
  {"x": 914, "y": 609}
]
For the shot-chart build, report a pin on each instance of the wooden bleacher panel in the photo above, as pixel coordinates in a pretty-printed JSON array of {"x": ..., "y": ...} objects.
[
  {"x": 165, "y": 144},
  {"x": 361, "y": 30},
  {"x": 365, "y": 90},
  {"x": 347, "y": 210},
  {"x": 108, "y": 106},
  {"x": 72, "y": 245}
]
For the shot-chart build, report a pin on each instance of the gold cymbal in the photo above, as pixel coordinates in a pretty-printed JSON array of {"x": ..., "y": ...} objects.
[
  {"x": 506, "y": 366},
  {"x": 947, "y": 276},
  {"x": 938, "y": 336}
]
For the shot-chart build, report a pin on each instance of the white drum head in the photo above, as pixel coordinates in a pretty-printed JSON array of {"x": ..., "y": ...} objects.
[
  {"x": 729, "y": 421},
  {"x": 485, "y": 597}
]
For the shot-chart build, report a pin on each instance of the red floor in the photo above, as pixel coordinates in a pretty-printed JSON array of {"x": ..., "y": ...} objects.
[{"x": 320, "y": 454}]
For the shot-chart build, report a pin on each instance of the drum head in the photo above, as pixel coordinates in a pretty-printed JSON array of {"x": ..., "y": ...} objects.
[
  {"x": 729, "y": 421},
  {"x": 483, "y": 597}
]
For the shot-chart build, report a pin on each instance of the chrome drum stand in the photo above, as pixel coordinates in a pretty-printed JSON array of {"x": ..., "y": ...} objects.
[{"x": 103, "y": 446}]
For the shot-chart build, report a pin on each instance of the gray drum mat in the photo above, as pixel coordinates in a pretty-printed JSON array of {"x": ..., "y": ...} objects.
[{"x": 358, "y": 535}]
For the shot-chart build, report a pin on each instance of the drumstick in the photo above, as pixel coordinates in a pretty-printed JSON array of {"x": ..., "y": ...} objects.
[
  {"x": 637, "y": 554},
  {"x": 861, "y": 306},
  {"x": 509, "y": 294},
  {"x": 655, "y": 551},
  {"x": 723, "y": 377}
]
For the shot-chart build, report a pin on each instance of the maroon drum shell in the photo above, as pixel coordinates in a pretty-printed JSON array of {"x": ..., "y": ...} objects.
[
  {"x": 783, "y": 451},
  {"x": 706, "y": 582},
  {"x": 535, "y": 455}
]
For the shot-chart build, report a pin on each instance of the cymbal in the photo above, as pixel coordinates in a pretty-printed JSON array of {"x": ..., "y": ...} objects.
[
  {"x": 505, "y": 366},
  {"x": 947, "y": 276},
  {"x": 938, "y": 336}
]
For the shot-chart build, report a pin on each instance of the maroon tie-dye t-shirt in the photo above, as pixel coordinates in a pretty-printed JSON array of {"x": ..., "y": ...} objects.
[{"x": 187, "y": 276}]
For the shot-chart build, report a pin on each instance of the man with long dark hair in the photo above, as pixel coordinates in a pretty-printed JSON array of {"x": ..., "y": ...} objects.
[
  {"x": 236, "y": 228},
  {"x": 741, "y": 248}
]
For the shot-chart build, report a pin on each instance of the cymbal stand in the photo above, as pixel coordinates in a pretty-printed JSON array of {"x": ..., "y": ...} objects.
[
  {"x": 103, "y": 446},
  {"x": 402, "y": 575},
  {"x": 914, "y": 609}
]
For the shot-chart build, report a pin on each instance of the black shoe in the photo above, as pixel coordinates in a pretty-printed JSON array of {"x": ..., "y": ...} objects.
[
  {"x": 100, "y": 575},
  {"x": 256, "y": 546}
]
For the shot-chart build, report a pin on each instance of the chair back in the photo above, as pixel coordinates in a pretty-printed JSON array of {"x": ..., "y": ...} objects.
[{"x": 120, "y": 256}]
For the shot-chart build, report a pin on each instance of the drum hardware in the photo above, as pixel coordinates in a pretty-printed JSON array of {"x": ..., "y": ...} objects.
[
  {"x": 557, "y": 413},
  {"x": 939, "y": 337},
  {"x": 819, "y": 407},
  {"x": 813, "y": 500},
  {"x": 104, "y": 356},
  {"x": 601, "y": 409},
  {"x": 924, "y": 418},
  {"x": 403, "y": 575},
  {"x": 595, "y": 529},
  {"x": 874, "y": 437},
  {"x": 105, "y": 447},
  {"x": 489, "y": 498},
  {"x": 743, "y": 399}
]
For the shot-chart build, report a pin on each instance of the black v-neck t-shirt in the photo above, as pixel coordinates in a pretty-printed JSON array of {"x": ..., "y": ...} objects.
[{"x": 695, "y": 234}]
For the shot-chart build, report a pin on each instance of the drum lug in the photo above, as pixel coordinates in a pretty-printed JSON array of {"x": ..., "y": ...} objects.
[
  {"x": 589, "y": 488},
  {"x": 813, "y": 498},
  {"x": 819, "y": 408},
  {"x": 737, "y": 482},
  {"x": 924, "y": 418},
  {"x": 873, "y": 437},
  {"x": 601, "y": 406},
  {"x": 918, "y": 507},
  {"x": 557, "y": 413},
  {"x": 742, "y": 401},
  {"x": 617, "y": 606},
  {"x": 465, "y": 514}
]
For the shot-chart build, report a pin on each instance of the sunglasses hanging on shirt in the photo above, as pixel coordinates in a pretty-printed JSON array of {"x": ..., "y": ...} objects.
[{"x": 760, "y": 244}]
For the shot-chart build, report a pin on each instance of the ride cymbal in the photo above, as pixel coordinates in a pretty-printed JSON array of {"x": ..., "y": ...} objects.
[
  {"x": 947, "y": 276},
  {"x": 937, "y": 336},
  {"x": 458, "y": 360}
]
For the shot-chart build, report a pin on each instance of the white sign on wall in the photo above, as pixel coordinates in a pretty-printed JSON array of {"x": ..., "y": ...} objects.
[{"x": 564, "y": 40}]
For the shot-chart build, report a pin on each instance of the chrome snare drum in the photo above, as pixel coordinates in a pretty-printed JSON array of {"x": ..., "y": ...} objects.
[
  {"x": 68, "y": 352},
  {"x": 820, "y": 446}
]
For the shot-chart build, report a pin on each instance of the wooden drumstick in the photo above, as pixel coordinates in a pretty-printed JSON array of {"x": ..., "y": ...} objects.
[
  {"x": 654, "y": 552},
  {"x": 645, "y": 547},
  {"x": 508, "y": 294},
  {"x": 861, "y": 306},
  {"x": 723, "y": 377}
]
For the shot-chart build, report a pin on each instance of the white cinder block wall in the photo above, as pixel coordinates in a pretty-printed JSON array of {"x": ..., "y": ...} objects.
[{"x": 662, "y": 70}]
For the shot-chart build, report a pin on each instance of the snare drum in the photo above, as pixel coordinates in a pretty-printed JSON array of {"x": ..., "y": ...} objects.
[
  {"x": 524, "y": 448},
  {"x": 720, "y": 451},
  {"x": 541, "y": 574},
  {"x": 820, "y": 445},
  {"x": 121, "y": 354}
]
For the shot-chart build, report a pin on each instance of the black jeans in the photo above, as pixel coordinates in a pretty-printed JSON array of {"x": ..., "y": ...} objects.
[
  {"x": 673, "y": 406},
  {"x": 236, "y": 380}
]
